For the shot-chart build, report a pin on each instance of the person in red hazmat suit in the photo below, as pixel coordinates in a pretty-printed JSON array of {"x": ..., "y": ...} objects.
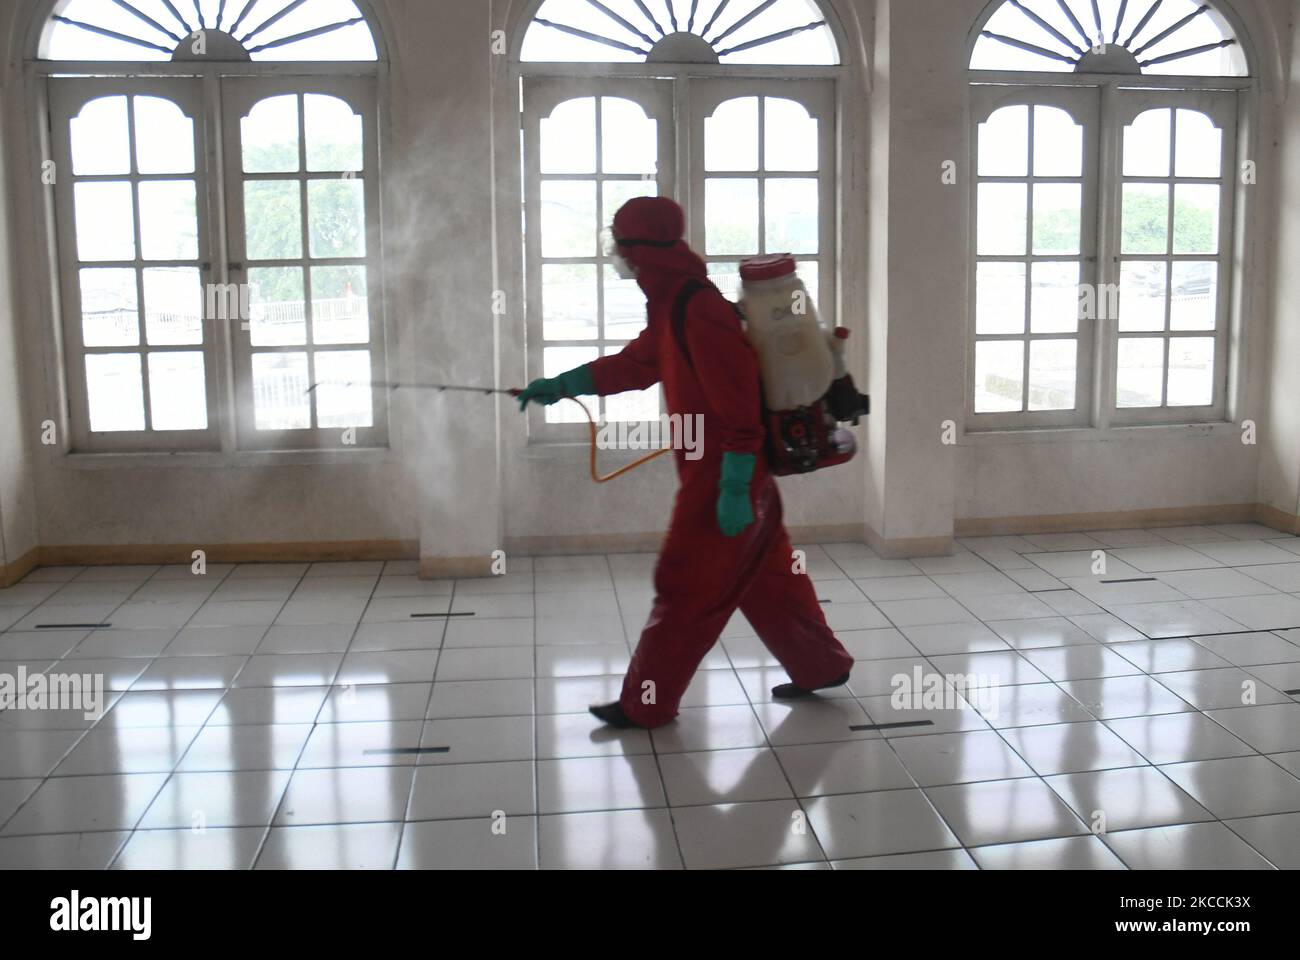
[{"x": 726, "y": 546}]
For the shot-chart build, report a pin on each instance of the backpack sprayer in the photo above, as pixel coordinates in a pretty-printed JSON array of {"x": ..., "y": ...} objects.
[{"x": 808, "y": 392}]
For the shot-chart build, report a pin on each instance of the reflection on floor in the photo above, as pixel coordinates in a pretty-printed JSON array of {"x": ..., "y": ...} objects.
[{"x": 350, "y": 715}]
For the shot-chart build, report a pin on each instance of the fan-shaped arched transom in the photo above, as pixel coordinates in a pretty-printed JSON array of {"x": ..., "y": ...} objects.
[
  {"x": 208, "y": 30},
  {"x": 1167, "y": 37},
  {"x": 681, "y": 31}
]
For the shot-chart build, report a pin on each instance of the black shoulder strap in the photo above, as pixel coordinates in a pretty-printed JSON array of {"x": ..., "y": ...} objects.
[{"x": 684, "y": 296}]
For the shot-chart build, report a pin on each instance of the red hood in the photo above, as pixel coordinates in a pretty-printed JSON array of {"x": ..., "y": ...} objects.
[{"x": 649, "y": 234}]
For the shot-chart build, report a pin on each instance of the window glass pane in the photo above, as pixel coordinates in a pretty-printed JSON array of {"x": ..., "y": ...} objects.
[
  {"x": 1146, "y": 218},
  {"x": 1003, "y": 216},
  {"x": 273, "y": 219},
  {"x": 731, "y": 136},
  {"x": 1144, "y": 285},
  {"x": 615, "y": 193},
  {"x": 177, "y": 391},
  {"x": 558, "y": 360},
  {"x": 1058, "y": 217},
  {"x": 999, "y": 376},
  {"x": 343, "y": 398},
  {"x": 1195, "y": 301},
  {"x": 276, "y": 314},
  {"x": 791, "y": 221},
  {"x": 1196, "y": 218},
  {"x": 1058, "y": 143},
  {"x": 726, "y": 277},
  {"x": 105, "y": 224},
  {"x": 334, "y": 134},
  {"x": 1146, "y": 145},
  {"x": 569, "y": 227},
  {"x": 173, "y": 306},
  {"x": 809, "y": 273},
  {"x": 625, "y": 310},
  {"x": 629, "y": 139},
  {"x": 99, "y": 135},
  {"x": 280, "y": 398},
  {"x": 790, "y": 141},
  {"x": 340, "y": 308},
  {"x": 1199, "y": 149},
  {"x": 269, "y": 136},
  {"x": 109, "y": 314},
  {"x": 337, "y": 217},
  {"x": 1004, "y": 143},
  {"x": 1191, "y": 371},
  {"x": 1141, "y": 372},
  {"x": 568, "y": 138},
  {"x": 731, "y": 217},
  {"x": 1053, "y": 372},
  {"x": 164, "y": 137},
  {"x": 114, "y": 392},
  {"x": 1000, "y": 298},
  {"x": 569, "y": 301},
  {"x": 169, "y": 227},
  {"x": 1054, "y": 301}
]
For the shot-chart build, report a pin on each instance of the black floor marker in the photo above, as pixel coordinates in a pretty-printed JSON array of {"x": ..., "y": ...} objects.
[
  {"x": 891, "y": 726},
  {"x": 72, "y": 626},
  {"x": 1292, "y": 693},
  {"x": 1133, "y": 580},
  {"x": 434, "y": 616},
  {"x": 406, "y": 751}
]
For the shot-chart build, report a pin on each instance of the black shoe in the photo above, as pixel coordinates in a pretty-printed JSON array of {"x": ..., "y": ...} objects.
[
  {"x": 788, "y": 691},
  {"x": 612, "y": 714}
]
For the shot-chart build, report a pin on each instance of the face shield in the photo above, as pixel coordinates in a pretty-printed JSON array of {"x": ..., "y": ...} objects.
[{"x": 615, "y": 256}]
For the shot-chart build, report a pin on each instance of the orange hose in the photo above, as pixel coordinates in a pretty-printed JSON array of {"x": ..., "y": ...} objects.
[{"x": 596, "y": 475}]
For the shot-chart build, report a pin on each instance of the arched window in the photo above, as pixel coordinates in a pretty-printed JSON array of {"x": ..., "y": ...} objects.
[
  {"x": 1104, "y": 217},
  {"x": 174, "y": 257},
  {"x": 681, "y": 31},
  {"x": 1163, "y": 37},
  {"x": 208, "y": 29},
  {"x": 750, "y": 155}
]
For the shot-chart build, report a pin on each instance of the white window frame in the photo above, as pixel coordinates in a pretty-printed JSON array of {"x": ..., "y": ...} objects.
[
  {"x": 1223, "y": 110},
  {"x": 223, "y": 441},
  {"x": 540, "y": 98},
  {"x": 695, "y": 93},
  {"x": 68, "y": 97},
  {"x": 1083, "y": 105},
  {"x": 239, "y": 96},
  {"x": 1102, "y": 412}
]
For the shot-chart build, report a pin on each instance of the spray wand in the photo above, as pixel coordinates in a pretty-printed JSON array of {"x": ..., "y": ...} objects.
[{"x": 596, "y": 475}]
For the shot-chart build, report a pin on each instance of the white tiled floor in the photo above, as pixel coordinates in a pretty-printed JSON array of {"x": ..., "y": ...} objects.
[{"x": 295, "y": 715}]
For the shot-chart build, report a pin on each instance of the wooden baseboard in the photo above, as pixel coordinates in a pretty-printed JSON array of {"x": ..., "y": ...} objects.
[
  {"x": 11, "y": 573},
  {"x": 1119, "y": 520},
  {"x": 146, "y": 553},
  {"x": 481, "y": 566},
  {"x": 906, "y": 548},
  {"x": 1277, "y": 519}
]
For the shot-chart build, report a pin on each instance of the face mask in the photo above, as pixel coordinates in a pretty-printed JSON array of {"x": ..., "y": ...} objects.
[{"x": 624, "y": 269}]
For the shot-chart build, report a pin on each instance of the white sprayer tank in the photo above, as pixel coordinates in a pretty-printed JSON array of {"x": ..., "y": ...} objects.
[{"x": 794, "y": 350}]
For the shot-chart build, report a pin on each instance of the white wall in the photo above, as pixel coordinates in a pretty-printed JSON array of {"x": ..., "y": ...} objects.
[
  {"x": 461, "y": 477},
  {"x": 18, "y": 430},
  {"x": 1279, "y": 478}
]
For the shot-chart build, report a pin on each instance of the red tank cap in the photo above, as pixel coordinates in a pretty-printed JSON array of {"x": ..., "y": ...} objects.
[{"x": 767, "y": 268}]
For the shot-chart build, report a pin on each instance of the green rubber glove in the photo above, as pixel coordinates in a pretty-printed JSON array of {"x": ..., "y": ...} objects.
[
  {"x": 548, "y": 390},
  {"x": 734, "y": 510}
]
